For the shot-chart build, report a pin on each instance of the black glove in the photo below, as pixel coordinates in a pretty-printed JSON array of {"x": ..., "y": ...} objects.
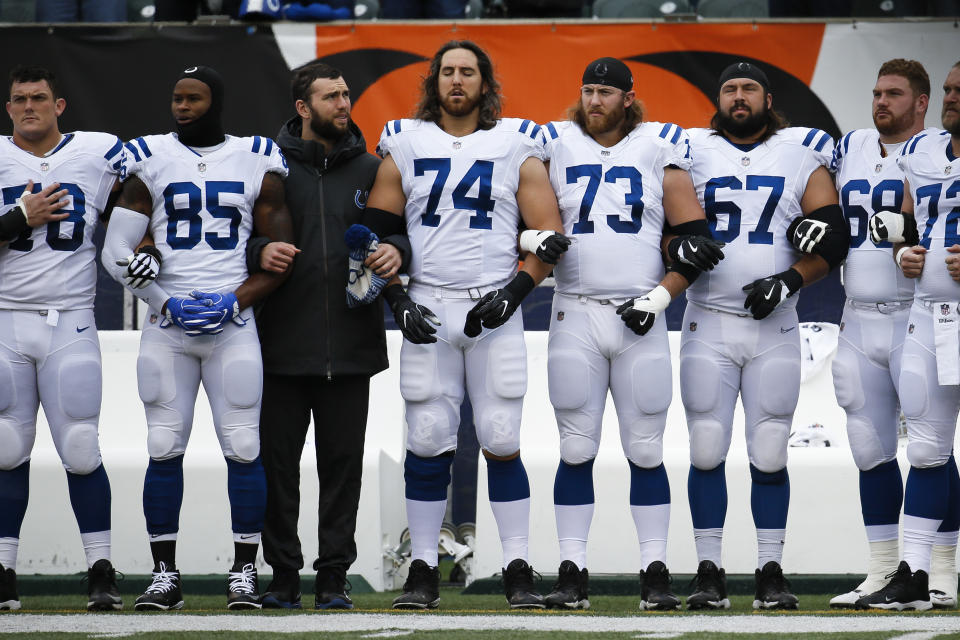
[
  {"x": 640, "y": 314},
  {"x": 496, "y": 307},
  {"x": 700, "y": 252},
  {"x": 806, "y": 233},
  {"x": 413, "y": 319},
  {"x": 546, "y": 245},
  {"x": 765, "y": 294}
]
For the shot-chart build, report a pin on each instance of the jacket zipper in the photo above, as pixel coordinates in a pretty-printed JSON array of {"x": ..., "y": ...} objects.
[{"x": 326, "y": 278}]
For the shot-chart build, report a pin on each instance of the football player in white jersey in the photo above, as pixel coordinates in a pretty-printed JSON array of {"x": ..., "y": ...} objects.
[
  {"x": 618, "y": 181},
  {"x": 49, "y": 351},
  {"x": 200, "y": 193},
  {"x": 462, "y": 180},
  {"x": 866, "y": 369},
  {"x": 762, "y": 186},
  {"x": 930, "y": 370}
]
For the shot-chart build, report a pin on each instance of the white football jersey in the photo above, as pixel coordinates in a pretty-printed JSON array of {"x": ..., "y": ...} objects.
[
  {"x": 611, "y": 202},
  {"x": 461, "y": 213},
  {"x": 203, "y": 206},
  {"x": 751, "y": 194},
  {"x": 933, "y": 173},
  {"x": 53, "y": 266},
  {"x": 869, "y": 182}
]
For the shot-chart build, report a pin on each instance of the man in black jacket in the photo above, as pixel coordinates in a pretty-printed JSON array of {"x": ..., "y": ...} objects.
[{"x": 318, "y": 355}]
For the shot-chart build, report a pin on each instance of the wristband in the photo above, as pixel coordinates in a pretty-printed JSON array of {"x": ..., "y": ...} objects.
[{"x": 899, "y": 256}]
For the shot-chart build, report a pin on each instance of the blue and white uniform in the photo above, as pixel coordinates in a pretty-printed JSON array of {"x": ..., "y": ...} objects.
[
  {"x": 750, "y": 194},
  {"x": 49, "y": 351},
  {"x": 611, "y": 203}
]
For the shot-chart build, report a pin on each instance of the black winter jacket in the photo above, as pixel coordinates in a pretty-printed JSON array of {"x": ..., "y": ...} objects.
[{"x": 305, "y": 326}]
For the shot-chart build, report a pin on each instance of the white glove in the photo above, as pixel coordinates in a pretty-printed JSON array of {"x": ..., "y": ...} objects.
[
  {"x": 808, "y": 233},
  {"x": 141, "y": 268},
  {"x": 887, "y": 226},
  {"x": 546, "y": 245},
  {"x": 640, "y": 314}
]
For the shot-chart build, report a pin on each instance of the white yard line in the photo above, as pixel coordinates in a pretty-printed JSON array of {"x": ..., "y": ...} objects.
[
  {"x": 920, "y": 635},
  {"x": 106, "y": 624}
]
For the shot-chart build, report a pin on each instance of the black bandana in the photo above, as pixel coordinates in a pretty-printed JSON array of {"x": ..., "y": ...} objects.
[
  {"x": 745, "y": 70},
  {"x": 207, "y": 130},
  {"x": 609, "y": 71}
]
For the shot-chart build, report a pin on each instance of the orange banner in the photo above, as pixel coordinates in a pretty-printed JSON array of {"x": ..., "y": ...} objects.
[{"x": 675, "y": 66}]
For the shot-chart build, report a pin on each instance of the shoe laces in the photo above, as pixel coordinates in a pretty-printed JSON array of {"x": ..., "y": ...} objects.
[
  {"x": 245, "y": 580},
  {"x": 522, "y": 578},
  {"x": 163, "y": 580},
  {"x": 105, "y": 576}
]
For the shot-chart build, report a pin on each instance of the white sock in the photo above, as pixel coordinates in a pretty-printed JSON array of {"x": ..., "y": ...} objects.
[
  {"x": 770, "y": 546},
  {"x": 652, "y": 522},
  {"x": 919, "y": 536},
  {"x": 96, "y": 545},
  {"x": 883, "y": 532},
  {"x": 884, "y": 558},
  {"x": 424, "y": 520},
  {"x": 513, "y": 522},
  {"x": 943, "y": 568},
  {"x": 246, "y": 538},
  {"x": 709, "y": 544},
  {"x": 573, "y": 527},
  {"x": 8, "y": 552}
]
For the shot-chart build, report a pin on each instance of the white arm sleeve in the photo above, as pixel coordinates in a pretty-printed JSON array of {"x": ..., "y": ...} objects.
[{"x": 124, "y": 232}]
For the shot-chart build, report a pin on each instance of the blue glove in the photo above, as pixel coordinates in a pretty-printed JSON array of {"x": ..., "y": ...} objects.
[
  {"x": 224, "y": 308},
  {"x": 189, "y": 314},
  {"x": 363, "y": 285}
]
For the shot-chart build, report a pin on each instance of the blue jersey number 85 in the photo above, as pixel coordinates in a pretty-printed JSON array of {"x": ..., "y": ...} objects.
[{"x": 191, "y": 214}]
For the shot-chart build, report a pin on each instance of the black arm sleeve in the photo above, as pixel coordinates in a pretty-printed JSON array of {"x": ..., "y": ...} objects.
[
  {"x": 834, "y": 246},
  {"x": 693, "y": 228},
  {"x": 255, "y": 246},
  {"x": 383, "y": 223},
  {"x": 12, "y": 224},
  {"x": 688, "y": 271}
]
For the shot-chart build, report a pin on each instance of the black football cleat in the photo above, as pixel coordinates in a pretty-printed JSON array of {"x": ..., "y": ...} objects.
[
  {"x": 518, "y": 586},
  {"x": 422, "y": 588},
  {"x": 163, "y": 593},
  {"x": 709, "y": 588},
  {"x": 9, "y": 598},
  {"x": 283, "y": 592},
  {"x": 773, "y": 590},
  {"x": 331, "y": 589},
  {"x": 655, "y": 594},
  {"x": 906, "y": 590},
  {"x": 570, "y": 590},
  {"x": 102, "y": 591},
  {"x": 243, "y": 588}
]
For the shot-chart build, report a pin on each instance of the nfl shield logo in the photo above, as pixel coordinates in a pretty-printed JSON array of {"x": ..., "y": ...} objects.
[
  {"x": 457, "y": 144},
  {"x": 878, "y": 168},
  {"x": 693, "y": 326},
  {"x": 745, "y": 161},
  {"x": 842, "y": 325},
  {"x": 945, "y": 309},
  {"x": 910, "y": 329},
  {"x": 153, "y": 318},
  {"x": 559, "y": 315},
  {"x": 44, "y": 166},
  {"x": 947, "y": 169},
  {"x": 201, "y": 167}
]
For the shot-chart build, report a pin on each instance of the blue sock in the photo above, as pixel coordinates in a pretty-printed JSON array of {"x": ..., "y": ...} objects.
[
  {"x": 952, "y": 520},
  {"x": 14, "y": 491},
  {"x": 247, "y": 490},
  {"x": 90, "y": 497},
  {"x": 163, "y": 495},
  {"x": 648, "y": 486},
  {"x": 769, "y": 498},
  {"x": 574, "y": 483},
  {"x": 881, "y": 494},
  {"x": 707, "y": 492},
  {"x": 426, "y": 479},
  {"x": 507, "y": 480},
  {"x": 927, "y": 494}
]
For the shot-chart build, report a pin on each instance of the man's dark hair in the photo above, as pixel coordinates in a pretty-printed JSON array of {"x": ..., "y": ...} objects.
[
  {"x": 428, "y": 108},
  {"x": 33, "y": 73},
  {"x": 774, "y": 121},
  {"x": 304, "y": 76}
]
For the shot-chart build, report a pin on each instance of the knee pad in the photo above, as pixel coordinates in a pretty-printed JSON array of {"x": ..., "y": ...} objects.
[
  {"x": 646, "y": 455},
  {"x": 699, "y": 384},
  {"x": 653, "y": 388},
  {"x": 429, "y": 426},
  {"x": 7, "y": 394},
  {"x": 782, "y": 386},
  {"x": 419, "y": 380},
  {"x": 913, "y": 392},
  {"x": 80, "y": 448},
  {"x": 426, "y": 477},
  {"x": 708, "y": 443},
  {"x": 925, "y": 455},
  {"x": 864, "y": 443},
  {"x": 507, "y": 366},
  {"x": 577, "y": 449},
  {"x": 498, "y": 429},
  {"x": 164, "y": 443},
  {"x": 242, "y": 382},
  {"x": 846, "y": 380},
  {"x": 242, "y": 444},
  {"x": 153, "y": 382},
  {"x": 81, "y": 386},
  {"x": 14, "y": 451},
  {"x": 767, "y": 449},
  {"x": 568, "y": 379}
]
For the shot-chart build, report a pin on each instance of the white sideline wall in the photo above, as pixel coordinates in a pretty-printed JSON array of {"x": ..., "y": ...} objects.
[{"x": 824, "y": 535}]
